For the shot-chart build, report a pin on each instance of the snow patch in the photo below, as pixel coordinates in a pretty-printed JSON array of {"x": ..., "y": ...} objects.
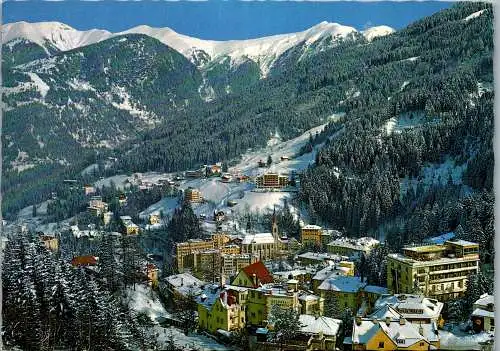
[
  {"x": 42, "y": 87},
  {"x": 375, "y": 32},
  {"x": 473, "y": 15}
]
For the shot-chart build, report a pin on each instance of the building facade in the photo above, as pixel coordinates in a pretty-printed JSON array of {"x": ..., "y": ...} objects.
[
  {"x": 271, "y": 180},
  {"x": 438, "y": 271}
]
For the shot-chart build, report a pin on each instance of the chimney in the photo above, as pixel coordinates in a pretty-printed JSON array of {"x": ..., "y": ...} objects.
[
  {"x": 375, "y": 320},
  {"x": 421, "y": 330},
  {"x": 254, "y": 279},
  {"x": 402, "y": 321},
  {"x": 182, "y": 281},
  {"x": 388, "y": 321}
]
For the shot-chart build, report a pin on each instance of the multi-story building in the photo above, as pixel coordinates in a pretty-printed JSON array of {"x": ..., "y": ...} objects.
[
  {"x": 271, "y": 181},
  {"x": 352, "y": 247},
  {"x": 97, "y": 207},
  {"x": 193, "y": 195},
  {"x": 346, "y": 291},
  {"x": 342, "y": 268},
  {"x": 311, "y": 304},
  {"x": 220, "y": 309},
  {"x": 311, "y": 235},
  {"x": 438, "y": 271},
  {"x": 189, "y": 247},
  {"x": 261, "y": 299},
  {"x": 231, "y": 264}
]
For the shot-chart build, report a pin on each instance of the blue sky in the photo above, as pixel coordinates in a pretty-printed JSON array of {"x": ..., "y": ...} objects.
[{"x": 220, "y": 20}]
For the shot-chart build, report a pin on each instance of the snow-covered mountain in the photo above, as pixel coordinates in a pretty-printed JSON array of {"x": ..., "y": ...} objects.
[{"x": 264, "y": 50}]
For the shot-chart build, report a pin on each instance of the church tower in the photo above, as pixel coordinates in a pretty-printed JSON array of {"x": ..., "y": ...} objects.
[{"x": 275, "y": 231}]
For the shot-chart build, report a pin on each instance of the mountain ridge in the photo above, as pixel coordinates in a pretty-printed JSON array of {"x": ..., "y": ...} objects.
[{"x": 263, "y": 49}]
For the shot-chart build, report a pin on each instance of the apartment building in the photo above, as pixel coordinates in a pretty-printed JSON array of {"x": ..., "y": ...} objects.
[
  {"x": 438, "y": 271},
  {"x": 271, "y": 180}
]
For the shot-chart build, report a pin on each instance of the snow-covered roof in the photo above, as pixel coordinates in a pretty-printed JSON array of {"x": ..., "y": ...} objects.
[
  {"x": 319, "y": 256},
  {"x": 408, "y": 304},
  {"x": 360, "y": 244},
  {"x": 479, "y": 312},
  {"x": 294, "y": 273},
  {"x": 401, "y": 333},
  {"x": 315, "y": 325},
  {"x": 440, "y": 239},
  {"x": 260, "y": 238},
  {"x": 305, "y": 296},
  {"x": 461, "y": 242},
  {"x": 375, "y": 289},
  {"x": 342, "y": 284},
  {"x": 385, "y": 311},
  {"x": 185, "y": 283},
  {"x": 331, "y": 271},
  {"x": 485, "y": 300},
  {"x": 311, "y": 227}
]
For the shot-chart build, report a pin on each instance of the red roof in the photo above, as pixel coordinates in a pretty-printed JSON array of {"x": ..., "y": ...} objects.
[
  {"x": 261, "y": 272},
  {"x": 84, "y": 261}
]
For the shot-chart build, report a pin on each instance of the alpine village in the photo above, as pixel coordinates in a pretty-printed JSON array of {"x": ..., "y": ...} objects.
[{"x": 334, "y": 195}]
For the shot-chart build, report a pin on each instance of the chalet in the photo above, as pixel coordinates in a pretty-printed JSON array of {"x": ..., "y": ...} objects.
[
  {"x": 483, "y": 316},
  {"x": 122, "y": 199},
  {"x": 226, "y": 178},
  {"x": 129, "y": 226}
]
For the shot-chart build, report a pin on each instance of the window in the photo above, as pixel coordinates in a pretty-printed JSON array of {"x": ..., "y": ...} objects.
[
  {"x": 421, "y": 344},
  {"x": 381, "y": 345}
]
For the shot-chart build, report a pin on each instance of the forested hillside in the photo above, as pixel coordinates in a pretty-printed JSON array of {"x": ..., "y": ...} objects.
[{"x": 442, "y": 114}]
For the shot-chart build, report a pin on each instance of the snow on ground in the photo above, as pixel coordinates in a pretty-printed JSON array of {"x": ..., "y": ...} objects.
[
  {"x": 119, "y": 181},
  {"x": 261, "y": 201},
  {"x": 89, "y": 169},
  {"x": 40, "y": 84},
  {"x": 41, "y": 210},
  {"x": 435, "y": 173},
  {"x": 145, "y": 300},
  {"x": 166, "y": 205},
  {"x": 128, "y": 105},
  {"x": 473, "y": 15},
  {"x": 452, "y": 341},
  {"x": 406, "y": 120},
  {"x": 192, "y": 341},
  {"x": 250, "y": 159}
]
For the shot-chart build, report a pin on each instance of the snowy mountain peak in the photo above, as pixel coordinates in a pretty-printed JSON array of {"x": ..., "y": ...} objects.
[
  {"x": 264, "y": 50},
  {"x": 378, "y": 31},
  {"x": 59, "y": 35}
]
